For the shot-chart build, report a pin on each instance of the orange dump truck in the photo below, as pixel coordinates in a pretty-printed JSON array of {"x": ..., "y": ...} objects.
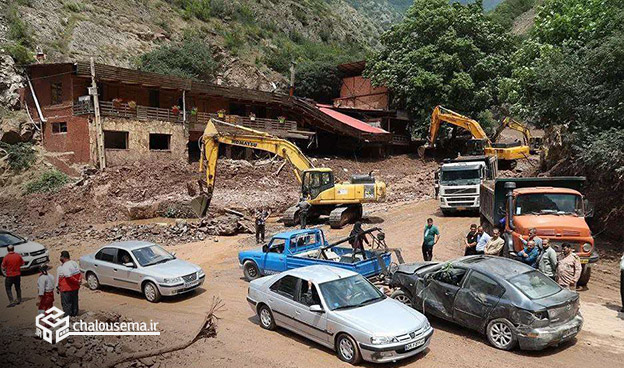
[{"x": 554, "y": 206}]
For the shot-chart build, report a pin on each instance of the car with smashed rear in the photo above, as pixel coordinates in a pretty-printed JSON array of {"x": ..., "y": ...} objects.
[
  {"x": 510, "y": 302},
  {"x": 341, "y": 310}
]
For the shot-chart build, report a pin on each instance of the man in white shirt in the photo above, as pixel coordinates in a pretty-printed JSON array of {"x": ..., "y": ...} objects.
[
  {"x": 482, "y": 239},
  {"x": 45, "y": 288}
]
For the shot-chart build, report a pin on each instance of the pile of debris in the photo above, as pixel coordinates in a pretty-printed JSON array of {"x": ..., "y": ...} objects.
[{"x": 182, "y": 231}]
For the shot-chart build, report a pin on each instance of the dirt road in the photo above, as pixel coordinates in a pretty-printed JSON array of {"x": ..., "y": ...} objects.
[{"x": 242, "y": 343}]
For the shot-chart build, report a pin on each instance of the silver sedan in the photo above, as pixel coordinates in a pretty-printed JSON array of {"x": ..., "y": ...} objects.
[
  {"x": 141, "y": 266},
  {"x": 342, "y": 310}
]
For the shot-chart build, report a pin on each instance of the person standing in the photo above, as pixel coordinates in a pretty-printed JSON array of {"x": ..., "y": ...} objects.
[
  {"x": 547, "y": 262},
  {"x": 471, "y": 241},
  {"x": 533, "y": 236},
  {"x": 261, "y": 216},
  {"x": 494, "y": 246},
  {"x": 45, "y": 288},
  {"x": 68, "y": 279},
  {"x": 482, "y": 239},
  {"x": 529, "y": 254},
  {"x": 357, "y": 239},
  {"x": 430, "y": 238},
  {"x": 12, "y": 268},
  {"x": 304, "y": 207},
  {"x": 569, "y": 268}
]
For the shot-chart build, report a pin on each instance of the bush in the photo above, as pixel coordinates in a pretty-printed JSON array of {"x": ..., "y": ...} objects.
[
  {"x": 318, "y": 80},
  {"x": 19, "y": 53},
  {"x": 18, "y": 30},
  {"x": 73, "y": 6},
  {"x": 20, "y": 156},
  {"x": 48, "y": 182},
  {"x": 191, "y": 58}
]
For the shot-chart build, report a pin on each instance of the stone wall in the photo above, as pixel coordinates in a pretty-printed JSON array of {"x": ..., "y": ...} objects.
[{"x": 138, "y": 142}]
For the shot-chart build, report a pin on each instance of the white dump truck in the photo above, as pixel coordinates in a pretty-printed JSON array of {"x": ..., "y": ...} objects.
[{"x": 458, "y": 182}]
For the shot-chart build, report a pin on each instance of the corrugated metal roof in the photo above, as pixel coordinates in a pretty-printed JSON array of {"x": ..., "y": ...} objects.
[{"x": 348, "y": 120}]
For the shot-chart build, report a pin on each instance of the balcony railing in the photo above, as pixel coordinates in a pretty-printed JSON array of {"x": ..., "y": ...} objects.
[
  {"x": 400, "y": 140},
  {"x": 122, "y": 110}
]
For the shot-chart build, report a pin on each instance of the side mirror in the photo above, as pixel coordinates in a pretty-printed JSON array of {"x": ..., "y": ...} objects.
[
  {"x": 316, "y": 309},
  {"x": 129, "y": 265},
  {"x": 589, "y": 208},
  {"x": 173, "y": 254},
  {"x": 265, "y": 248}
]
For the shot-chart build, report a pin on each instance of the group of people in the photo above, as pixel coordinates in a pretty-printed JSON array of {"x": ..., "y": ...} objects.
[
  {"x": 66, "y": 283},
  {"x": 536, "y": 253}
]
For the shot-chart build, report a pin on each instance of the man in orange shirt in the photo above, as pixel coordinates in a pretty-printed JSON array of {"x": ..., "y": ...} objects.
[{"x": 12, "y": 269}]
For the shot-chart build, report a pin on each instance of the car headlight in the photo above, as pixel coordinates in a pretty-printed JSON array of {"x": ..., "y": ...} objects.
[
  {"x": 587, "y": 247},
  {"x": 200, "y": 274},
  {"x": 24, "y": 254},
  {"x": 174, "y": 280},
  {"x": 381, "y": 340},
  {"x": 427, "y": 325}
]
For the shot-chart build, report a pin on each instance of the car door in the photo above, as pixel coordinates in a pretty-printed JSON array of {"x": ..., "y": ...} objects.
[
  {"x": 440, "y": 291},
  {"x": 476, "y": 299},
  {"x": 126, "y": 277},
  {"x": 104, "y": 264},
  {"x": 311, "y": 324},
  {"x": 274, "y": 260},
  {"x": 281, "y": 300}
]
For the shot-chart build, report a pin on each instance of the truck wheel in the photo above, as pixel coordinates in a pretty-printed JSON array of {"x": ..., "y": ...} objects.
[
  {"x": 402, "y": 296},
  {"x": 266, "y": 318},
  {"x": 347, "y": 349},
  {"x": 250, "y": 269},
  {"x": 501, "y": 335},
  {"x": 446, "y": 212},
  {"x": 585, "y": 275}
]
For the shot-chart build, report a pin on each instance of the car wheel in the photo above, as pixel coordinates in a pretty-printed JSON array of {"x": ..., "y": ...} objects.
[
  {"x": 250, "y": 269},
  {"x": 347, "y": 349},
  {"x": 501, "y": 335},
  {"x": 402, "y": 296},
  {"x": 92, "y": 281},
  {"x": 151, "y": 292},
  {"x": 266, "y": 318}
]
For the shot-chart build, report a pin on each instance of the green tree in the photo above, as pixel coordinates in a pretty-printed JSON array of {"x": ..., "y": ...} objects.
[
  {"x": 318, "y": 80},
  {"x": 190, "y": 58},
  {"x": 441, "y": 53}
]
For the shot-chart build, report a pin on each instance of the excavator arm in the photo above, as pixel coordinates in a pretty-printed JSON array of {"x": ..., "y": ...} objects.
[
  {"x": 515, "y": 125},
  {"x": 242, "y": 137},
  {"x": 441, "y": 114}
]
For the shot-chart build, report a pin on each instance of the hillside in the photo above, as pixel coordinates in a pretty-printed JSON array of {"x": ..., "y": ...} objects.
[{"x": 252, "y": 41}]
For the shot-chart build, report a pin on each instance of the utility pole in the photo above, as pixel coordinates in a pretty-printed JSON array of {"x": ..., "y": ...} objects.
[
  {"x": 99, "y": 132},
  {"x": 292, "y": 78}
]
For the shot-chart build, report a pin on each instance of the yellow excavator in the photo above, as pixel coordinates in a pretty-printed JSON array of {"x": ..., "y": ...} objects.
[
  {"x": 341, "y": 201},
  {"x": 480, "y": 144},
  {"x": 534, "y": 143}
]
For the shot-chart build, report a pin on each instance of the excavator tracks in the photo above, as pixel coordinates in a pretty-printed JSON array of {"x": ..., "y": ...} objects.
[
  {"x": 343, "y": 215},
  {"x": 291, "y": 216}
]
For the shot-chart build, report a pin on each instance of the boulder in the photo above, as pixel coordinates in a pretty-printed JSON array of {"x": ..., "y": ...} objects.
[{"x": 10, "y": 82}]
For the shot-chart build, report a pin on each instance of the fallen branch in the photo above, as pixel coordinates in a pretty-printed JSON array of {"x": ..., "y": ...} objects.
[
  {"x": 241, "y": 224},
  {"x": 207, "y": 329},
  {"x": 240, "y": 214},
  {"x": 279, "y": 170}
]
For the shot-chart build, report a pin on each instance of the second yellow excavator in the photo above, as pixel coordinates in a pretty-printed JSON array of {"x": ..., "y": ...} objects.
[
  {"x": 534, "y": 143},
  {"x": 341, "y": 201},
  {"x": 480, "y": 144}
]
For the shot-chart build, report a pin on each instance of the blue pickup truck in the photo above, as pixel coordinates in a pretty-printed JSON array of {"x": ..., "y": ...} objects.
[{"x": 300, "y": 248}]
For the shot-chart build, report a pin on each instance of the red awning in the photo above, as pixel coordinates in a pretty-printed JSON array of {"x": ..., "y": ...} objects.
[{"x": 352, "y": 122}]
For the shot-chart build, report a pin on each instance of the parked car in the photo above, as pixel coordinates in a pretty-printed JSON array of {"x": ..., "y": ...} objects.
[
  {"x": 510, "y": 302},
  {"x": 341, "y": 310},
  {"x": 34, "y": 254},
  {"x": 300, "y": 248},
  {"x": 141, "y": 266}
]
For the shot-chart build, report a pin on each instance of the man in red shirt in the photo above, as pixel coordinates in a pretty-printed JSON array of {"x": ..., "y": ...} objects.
[
  {"x": 11, "y": 266},
  {"x": 68, "y": 279}
]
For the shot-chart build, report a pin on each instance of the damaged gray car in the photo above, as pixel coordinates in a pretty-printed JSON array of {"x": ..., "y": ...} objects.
[{"x": 510, "y": 302}]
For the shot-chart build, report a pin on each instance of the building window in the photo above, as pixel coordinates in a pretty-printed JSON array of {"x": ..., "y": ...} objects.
[
  {"x": 154, "y": 98},
  {"x": 58, "y": 128},
  {"x": 56, "y": 93},
  {"x": 160, "y": 142},
  {"x": 115, "y": 139}
]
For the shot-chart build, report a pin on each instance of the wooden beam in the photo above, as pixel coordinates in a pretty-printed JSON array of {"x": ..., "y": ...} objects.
[{"x": 99, "y": 133}]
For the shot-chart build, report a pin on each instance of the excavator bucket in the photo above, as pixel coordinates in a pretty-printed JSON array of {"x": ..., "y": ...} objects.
[
  {"x": 200, "y": 204},
  {"x": 422, "y": 150}
]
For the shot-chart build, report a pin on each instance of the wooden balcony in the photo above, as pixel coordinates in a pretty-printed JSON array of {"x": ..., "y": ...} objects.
[{"x": 196, "y": 121}]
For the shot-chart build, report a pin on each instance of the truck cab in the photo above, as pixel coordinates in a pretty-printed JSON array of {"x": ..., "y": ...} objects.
[
  {"x": 458, "y": 182},
  {"x": 555, "y": 207}
]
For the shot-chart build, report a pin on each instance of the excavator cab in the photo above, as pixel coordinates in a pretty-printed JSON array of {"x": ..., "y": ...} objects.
[
  {"x": 475, "y": 147},
  {"x": 316, "y": 181}
]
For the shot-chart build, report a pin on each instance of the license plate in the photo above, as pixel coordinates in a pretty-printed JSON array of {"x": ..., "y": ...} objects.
[
  {"x": 461, "y": 208},
  {"x": 569, "y": 333},
  {"x": 584, "y": 260},
  {"x": 191, "y": 284},
  {"x": 414, "y": 345},
  {"x": 41, "y": 260}
]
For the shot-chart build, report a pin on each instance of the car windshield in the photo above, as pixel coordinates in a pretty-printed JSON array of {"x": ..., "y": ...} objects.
[
  {"x": 151, "y": 255},
  {"x": 350, "y": 292},
  {"x": 460, "y": 177},
  {"x": 535, "y": 285},
  {"x": 7, "y": 239},
  {"x": 549, "y": 203}
]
